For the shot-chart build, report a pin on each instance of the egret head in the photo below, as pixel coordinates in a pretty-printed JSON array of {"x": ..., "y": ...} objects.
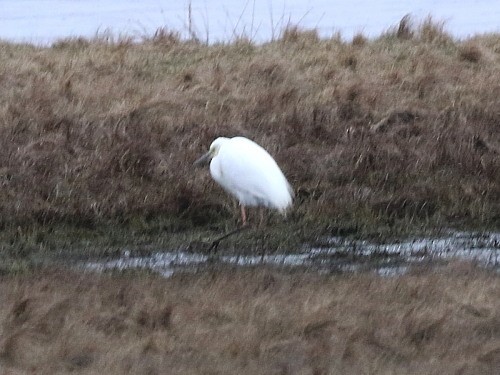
[{"x": 212, "y": 152}]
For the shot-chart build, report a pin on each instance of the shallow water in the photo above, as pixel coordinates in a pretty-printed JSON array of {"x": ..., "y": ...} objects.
[
  {"x": 43, "y": 22},
  {"x": 332, "y": 254}
]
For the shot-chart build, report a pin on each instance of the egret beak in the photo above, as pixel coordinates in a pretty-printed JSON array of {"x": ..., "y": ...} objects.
[{"x": 203, "y": 160}]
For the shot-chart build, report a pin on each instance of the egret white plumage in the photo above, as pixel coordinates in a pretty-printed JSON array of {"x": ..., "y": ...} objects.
[{"x": 247, "y": 171}]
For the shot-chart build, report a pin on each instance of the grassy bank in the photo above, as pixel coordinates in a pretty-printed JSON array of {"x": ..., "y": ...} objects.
[
  {"x": 253, "y": 321},
  {"x": 98, "y": 136}
]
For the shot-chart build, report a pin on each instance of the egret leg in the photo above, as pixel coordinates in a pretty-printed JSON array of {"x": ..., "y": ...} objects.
[
  {"x": 261, "y": 221},
  {"x": 243, "y": 216},
  {"x": 215, "y": 243}
]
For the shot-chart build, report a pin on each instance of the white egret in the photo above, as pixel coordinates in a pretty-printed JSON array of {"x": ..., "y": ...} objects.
[{"x": 247, "y": 171}]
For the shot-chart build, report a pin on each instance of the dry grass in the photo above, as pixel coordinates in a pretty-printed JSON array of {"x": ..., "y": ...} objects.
[
  {"x": 253, "y": 321},
  {"x": 404, "y": 127}
]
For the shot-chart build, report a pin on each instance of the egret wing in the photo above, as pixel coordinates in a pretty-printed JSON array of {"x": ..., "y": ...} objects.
[{"x": 248, "y": 172}]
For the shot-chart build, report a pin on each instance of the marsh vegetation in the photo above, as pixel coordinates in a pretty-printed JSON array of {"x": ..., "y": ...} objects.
[
  {"x": 379, "y": 137},
  {"x": 98, "y": 136},
  {"x": 251, "y": 321}
]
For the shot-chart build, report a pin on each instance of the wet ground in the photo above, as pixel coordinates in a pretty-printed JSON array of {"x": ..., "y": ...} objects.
[{"x": 332, "y": 254}]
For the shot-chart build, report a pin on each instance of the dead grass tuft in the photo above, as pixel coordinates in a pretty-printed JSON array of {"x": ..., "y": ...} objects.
[
  {"x": 165, "y": 37},
  {"x": 431, "y": 31},
  {"x": 470, "y": 53},
  {"x": 359, "y": 40},
  {"x": 428, "y": 31},
  {"x": 405, "y": 28},
  {"x": 294, "y": 34}
]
